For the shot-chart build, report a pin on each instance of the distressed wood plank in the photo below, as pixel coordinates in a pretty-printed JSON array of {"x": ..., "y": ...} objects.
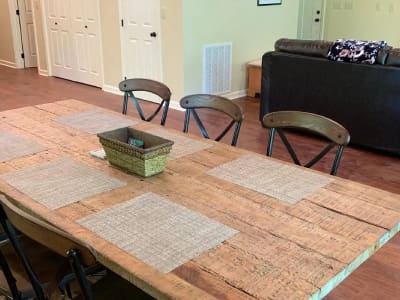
[
  {"x": 370, "y": 213},
  {"x": 366, "y": 193}
]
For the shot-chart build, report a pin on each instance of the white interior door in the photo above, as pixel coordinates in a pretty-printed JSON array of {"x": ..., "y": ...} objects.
[
  {"x": 85, "y": 31},
  {"x": 27, "y": 33},
  {"x": 62, "y": 54},
  {"x": 311, "y": 19},
  {"x": 74, "y": 42},
  {"x": 140, "y": 39}
]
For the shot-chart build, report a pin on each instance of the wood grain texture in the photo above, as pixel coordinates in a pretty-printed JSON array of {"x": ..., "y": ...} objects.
[
  {"x": 378, "y": 278},
  {"x": 283, "y": 251}
]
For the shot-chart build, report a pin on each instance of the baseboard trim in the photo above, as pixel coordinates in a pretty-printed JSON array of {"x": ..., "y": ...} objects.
[
  {"x": 114, "y": 90},
  {"x": 43, "y": 72},
  {"x": 175, "y": 105},
  {"x": 235, "y": 94},
  {"x": 7, "y": 63}
]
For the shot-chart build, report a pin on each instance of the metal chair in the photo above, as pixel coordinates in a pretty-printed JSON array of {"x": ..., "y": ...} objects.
[
  {"x": 129, "y": 86},
  {"x": 337, "y": 135},
  {"x": 198, "y": 101},
  {"x": 80, "y": 257}
]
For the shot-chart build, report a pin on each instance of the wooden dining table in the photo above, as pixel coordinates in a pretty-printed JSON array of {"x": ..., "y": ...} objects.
[{"x": 287, "y": 232}]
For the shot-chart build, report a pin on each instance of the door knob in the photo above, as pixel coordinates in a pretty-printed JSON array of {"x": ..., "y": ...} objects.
[
  {"x": 316, "y": 20},
  {"x": 153, "y": 34}
]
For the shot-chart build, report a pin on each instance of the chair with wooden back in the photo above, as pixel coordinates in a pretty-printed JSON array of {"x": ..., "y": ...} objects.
[
  {"x": 199, "y": 101},
  {"x": 80, "y": 256},
  {"x": 335, "y": 133},
  {"x": 129, "y": 86}
]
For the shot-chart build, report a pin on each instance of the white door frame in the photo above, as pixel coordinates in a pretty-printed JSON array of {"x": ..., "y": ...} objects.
[
  {"x": 16, "y": 34},
  {"x": 47, "y": 42},
  {"x": 43, "y": 9},
  {"x": 41, "y": 71},
  {"x": 122, "y": 34}
]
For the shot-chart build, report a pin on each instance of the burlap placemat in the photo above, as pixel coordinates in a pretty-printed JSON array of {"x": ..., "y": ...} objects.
[
  {"x": 182, "y": 145},
  {"x": 14, "y": 146},
  {"x": 281, "y": 181},
  {"x": 159, "y": 232},
  {"x": 61, "y": 182},
  {"x": 94, "y": 121}
]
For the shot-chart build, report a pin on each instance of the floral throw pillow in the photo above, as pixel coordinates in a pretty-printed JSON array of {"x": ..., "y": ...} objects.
[{"x": 364, "y": 52}]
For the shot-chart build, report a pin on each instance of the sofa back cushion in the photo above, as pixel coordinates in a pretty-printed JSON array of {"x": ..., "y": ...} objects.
[
  {"x": 383, "y": 55},
  {"x": 393, "y": 58},
  {"x": 316, "y": 48}
]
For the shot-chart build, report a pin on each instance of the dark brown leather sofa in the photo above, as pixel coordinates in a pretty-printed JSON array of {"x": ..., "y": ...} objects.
[{"x": 363, "y": 98}]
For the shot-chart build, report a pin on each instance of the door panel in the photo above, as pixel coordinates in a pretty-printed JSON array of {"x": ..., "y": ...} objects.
[
  {"x": 74, "y": 40},
  {"x": 55, "y": 49},
  {"x": 32, "y": 42},
  {"x": 27, "y": 33},
  {"x": 141, "y": 52},
  {"x": 91, "y": 15},
  {"x": 60, "y": 41},
  {"x": 66, "y": 51},
  {"x": 94, "y": 58},
  {"x": 80, "y": 44},
  {"x": 311, "y": 19},
  {"x": 317, "y": 19},
  {"x": 85, "y": 27}
]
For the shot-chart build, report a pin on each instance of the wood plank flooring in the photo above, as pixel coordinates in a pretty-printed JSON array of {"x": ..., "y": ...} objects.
[{"x": 378, "y": 278}]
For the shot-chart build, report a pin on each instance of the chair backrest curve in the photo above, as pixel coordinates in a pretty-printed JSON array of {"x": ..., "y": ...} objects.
[
  {"x": 310, "y": 122},
  {"x": 45, "y": 233},
  {"x": 213, "y": 102},
  {"x": 146, "y": 85}
]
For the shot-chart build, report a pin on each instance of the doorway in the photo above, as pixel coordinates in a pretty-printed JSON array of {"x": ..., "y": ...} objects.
[
  {"x": 23, "y": 33},
  {"x": 311, "y": 19},
  {"x": 141, "y": 39}
]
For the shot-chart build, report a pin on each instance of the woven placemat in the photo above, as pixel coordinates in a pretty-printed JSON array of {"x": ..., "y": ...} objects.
[
  {"x": 61, "y": 182},
  {"x": 182, "y": 145},
  {"x": 14, "y": 146},
  {"x": 94, "y": 121},
  {"x": 281, "y": 181},
  {"x": 159, "y": 232}
]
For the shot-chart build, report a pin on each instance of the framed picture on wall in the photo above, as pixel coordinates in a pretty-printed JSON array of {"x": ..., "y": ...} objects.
[{"x": 269, "y": 2}]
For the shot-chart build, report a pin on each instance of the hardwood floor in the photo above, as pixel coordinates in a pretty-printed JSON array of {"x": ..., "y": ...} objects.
[{"x": 378, "y": 278}]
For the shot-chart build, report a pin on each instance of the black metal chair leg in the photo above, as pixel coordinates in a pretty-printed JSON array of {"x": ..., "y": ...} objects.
[
  {"x": 9, "y": 277},
  {"x": 73, "y": 257}
]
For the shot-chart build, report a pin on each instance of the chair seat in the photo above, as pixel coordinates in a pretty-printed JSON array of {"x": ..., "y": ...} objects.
[{"x": 45, "y": 262}]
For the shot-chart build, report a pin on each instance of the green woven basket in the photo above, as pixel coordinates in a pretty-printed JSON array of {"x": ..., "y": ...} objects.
[{"x": 146, "y": 161}]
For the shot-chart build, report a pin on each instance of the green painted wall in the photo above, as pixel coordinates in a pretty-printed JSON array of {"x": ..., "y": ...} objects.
[
  {"x": 252, "y": 30},
  {"x": 363, "y": 19}
]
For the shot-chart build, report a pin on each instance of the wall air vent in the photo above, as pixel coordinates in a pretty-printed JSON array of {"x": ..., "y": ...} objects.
[{"x": 217, "y": 68}]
